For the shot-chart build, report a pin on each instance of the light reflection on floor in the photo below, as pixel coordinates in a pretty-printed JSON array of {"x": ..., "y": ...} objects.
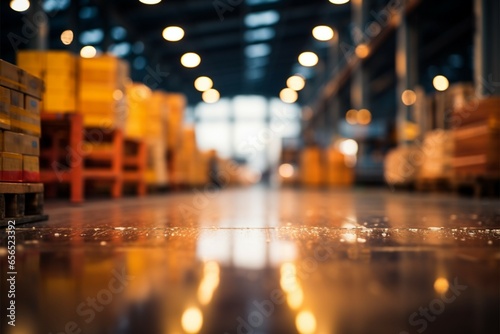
[{"x": 261, "y": 261}]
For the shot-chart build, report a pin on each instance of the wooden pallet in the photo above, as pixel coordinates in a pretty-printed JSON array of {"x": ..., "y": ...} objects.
[
  {"x": 437, "y": 184},
  {"x": 134, "y": 164},
  {"x": 22, "y": 202}
]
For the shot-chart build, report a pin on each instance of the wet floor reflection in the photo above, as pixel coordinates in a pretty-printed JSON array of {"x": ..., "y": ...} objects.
[{"x": 260, "y": 261}]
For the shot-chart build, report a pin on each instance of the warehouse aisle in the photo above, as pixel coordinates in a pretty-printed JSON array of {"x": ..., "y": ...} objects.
[{"x": 262, "y": 261}]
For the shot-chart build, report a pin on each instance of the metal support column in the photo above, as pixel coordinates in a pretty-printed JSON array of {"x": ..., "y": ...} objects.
[
  {"x": 406, "y": 71},
  {"x": 487, "y": 47},
  {"x": 39, "y": 22}
]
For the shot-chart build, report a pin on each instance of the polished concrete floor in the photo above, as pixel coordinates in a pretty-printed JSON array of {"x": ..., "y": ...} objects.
[{"x": 259, "y": 260}]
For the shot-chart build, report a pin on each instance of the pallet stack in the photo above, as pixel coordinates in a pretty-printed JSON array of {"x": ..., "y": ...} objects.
[
  {"x": 311, "y": 167},
  {"x": 21, "y": 194},
  {"x": 476, "y": 160},
  {"x": 435, "y": 171},
  {"x": 58, "y": 70},
  {"x": 337, "y": 173}
]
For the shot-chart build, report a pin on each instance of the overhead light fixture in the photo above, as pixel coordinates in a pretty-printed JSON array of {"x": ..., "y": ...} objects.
[
  {"x": 190, "y": 60},
  {"x": 173, "y": 33},
  {"x": 323, "y": 33},
  {"x": 20, "y": 5},
  {"x": 67, "y": 37},
  {"x": 210, "y": 96},
  {"x": 364, "y": 116},
  {"x": 192, "y": 320},
  {"x": 150, "y": 2},
  {"x": 257, "y": 50},
  {"x": 339, "y": 2},
  {"x": 348, "y": 147},
  {"x": 441, "y": 83},
  {"x": 408, "y": 97},
  {"x": 265, "y": 18},
  {"x": 288, "y": 95},
  {"x": 351, "y": 116},
  {"x": 88, "y": 52},
  {"x": 362, "y": 51},
  {"x": 305, "y": 322},
  {"x": 308, "y": 59},
  {"x": 296, "y": 82},
  {"x": 203, "y": 83}
]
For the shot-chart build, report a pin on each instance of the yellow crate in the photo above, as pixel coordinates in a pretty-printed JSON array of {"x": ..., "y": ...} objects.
[
  {"x": 109, "y": 120},
  {"x": 55, "y": 102},
  {"x": 62, "y": 81},
  {"x": 14, "y": 142},
  {"x": 32, "y": 105},
  {"x": 9, "y": 75},
  {"x": 46, "y": 60},
  {"x": 31, "y": 85},
  {"x": 16, "y": 99},
  {"x": 31, "y": 163},
  {"x": 4, "y": 108},
  {"x": 24, "y": 121},
  {"x": 11, "y": 166}
]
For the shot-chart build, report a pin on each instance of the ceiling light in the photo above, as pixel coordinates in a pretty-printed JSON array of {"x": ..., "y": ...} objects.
[
  {"x": 20, "y": 5},
  {"x": 308, "y": 59},
  {"x": 203, "y": 83},
  {"x": 323, "y": 33},
  {"x": 190, "y": 60},
  {"x": 364, "y": 116},
  {"x": 362, "y": 51},
  {"x": 351, "y": 116},
  {"x": 296, "y": 82},
  {"x": 67, "y": 37},
  {"x": 305, "y": 322},
  {"x": 88, "y": 51},
  {"x": 257, "y": 50},
  {"x": 210, "y": 96},
  {"x": 173, "y": 33},
  {"x": 288, "y": 95},
  {"x": 265, "y": 18},
  {"x": 339, "y": 2},
  {"x": 408, "y": 97},
  {"x": 150, "y": 2},
  {"x": 192, "y": 320},
  {"x": 441, "y": 83}
]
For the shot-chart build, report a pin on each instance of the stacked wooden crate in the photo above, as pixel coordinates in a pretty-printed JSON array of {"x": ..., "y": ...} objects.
[
  {"x": 191, "y": 165},
  {"x": 58, "y": 69},
  {"x": 401, "y": 166},
  {"x": 20, "y": 96},
  {"x": 101, "y": 91},
  {"x": 435, "y": 170},
  {"x": 477, "y": 140}
]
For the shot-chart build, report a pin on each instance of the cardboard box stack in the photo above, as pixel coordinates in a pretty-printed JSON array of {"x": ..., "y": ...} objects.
[
  {"x": 337, "y": 173},
  {"x": 477, "y": 138},
  {"x": 58, "y": 69},
  {"x": 311, "y": 167},
  {"x": 176, "y": 105},
  {"x": 101, "y": 91},
  {"x": 20, "y": 97},
  {"x": 138, "y": 99},
  {"x": 437, "y": 154},
  {"x": 401, "y": 165}
]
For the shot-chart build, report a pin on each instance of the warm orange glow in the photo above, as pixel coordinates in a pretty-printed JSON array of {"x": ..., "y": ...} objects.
[
  {"x": 351, "y": 116},
  {"x": 364, "y": 116},
  {"x": 286, "y": 171},
  {"x": 408, "y": 97},
  {"x": 362, "y": 51}
]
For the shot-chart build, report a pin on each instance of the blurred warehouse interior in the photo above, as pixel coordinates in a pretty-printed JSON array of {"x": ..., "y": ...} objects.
[{"x": 292, "y": 80}]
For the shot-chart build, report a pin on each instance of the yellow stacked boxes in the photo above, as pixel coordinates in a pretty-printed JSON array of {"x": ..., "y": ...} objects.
[
  {"x": 101, "y": 91},
  {"x": 4, "y": 108},
  {"x": 175, "y": 115},
  {"x": 337, "y": 172},
  {"x": 20, "y": 124},
  {"x": 311, "y": 169},
  {"x": 138, "y": 98},
  {"x": 58, "y": 69}
]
